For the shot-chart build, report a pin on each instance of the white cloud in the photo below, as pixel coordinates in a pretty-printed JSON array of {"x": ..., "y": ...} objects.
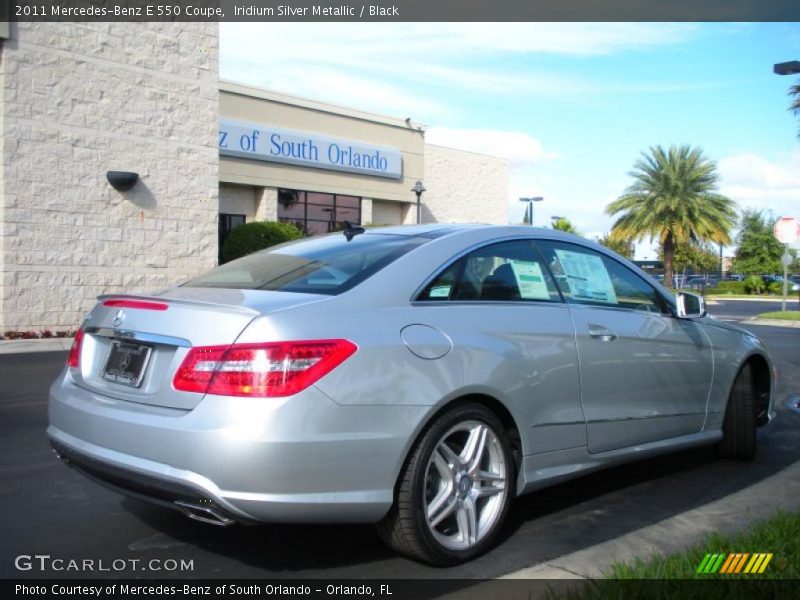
[
  {"x": 757, "y": 182},
  {"x": 518, "y": 147},
  {"x": 392, "y": 68},
  {"x": 362, "y": 43}
]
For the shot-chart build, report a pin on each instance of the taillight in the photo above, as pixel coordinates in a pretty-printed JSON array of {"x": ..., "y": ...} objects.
[
  {"x": 269, "y": 369},
  {"x": 74, "y": 358},
  {"x": 139, "y": 304}
]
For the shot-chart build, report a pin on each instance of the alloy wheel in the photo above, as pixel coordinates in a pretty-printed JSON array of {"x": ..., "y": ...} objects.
[{"x": 466, "y": 484}]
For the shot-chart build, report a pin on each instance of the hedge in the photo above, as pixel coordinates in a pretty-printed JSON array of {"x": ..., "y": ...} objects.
[{"x": 252, "y": 237}]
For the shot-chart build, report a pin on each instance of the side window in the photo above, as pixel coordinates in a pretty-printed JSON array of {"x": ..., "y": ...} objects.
[
  {"x": 588, "y": 277},
  {"x": 506, "y": 271}
]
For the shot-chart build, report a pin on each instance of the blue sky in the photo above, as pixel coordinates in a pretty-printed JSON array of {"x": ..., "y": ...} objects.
[{"x": 571, "y": 105}]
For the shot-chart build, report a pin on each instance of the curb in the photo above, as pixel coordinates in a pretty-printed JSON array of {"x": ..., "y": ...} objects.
[
  {"x": 40, "y": 345},
  {"x": 723, "y": 297},
  {"x": 730, "y": 514},
  {"x": 772, "y": 322}
]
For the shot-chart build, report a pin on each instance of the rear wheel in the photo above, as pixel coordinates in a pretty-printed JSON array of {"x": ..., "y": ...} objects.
[
  {"x": 454, "y": 491},
  {"x": 739, "y": 428}
]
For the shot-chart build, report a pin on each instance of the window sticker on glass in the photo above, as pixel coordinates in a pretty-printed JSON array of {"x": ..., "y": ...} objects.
[
  {"x": 587, "y": 277},
  {"x": 530, "y": 280},
  {"x": 440, "y": 291}
]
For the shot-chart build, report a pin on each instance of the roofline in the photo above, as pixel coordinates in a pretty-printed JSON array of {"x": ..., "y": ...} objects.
[{"x": 242, "y": 89}]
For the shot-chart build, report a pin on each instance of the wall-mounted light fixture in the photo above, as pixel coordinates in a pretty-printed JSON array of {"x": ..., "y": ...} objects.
[{"x": 122, "y": 181}]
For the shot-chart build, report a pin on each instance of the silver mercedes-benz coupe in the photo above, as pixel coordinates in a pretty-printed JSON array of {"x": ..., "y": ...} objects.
[{"x": 415, "y": 377}]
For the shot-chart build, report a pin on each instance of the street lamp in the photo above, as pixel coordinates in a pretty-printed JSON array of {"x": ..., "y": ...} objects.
[
  {"x": 418, "y": 189},
  {"x": 530, "y": 202},
  {"x": 555, "y": 218},
  {"x": 787, "y": 68},
  {"x": 791, "y": 67}
]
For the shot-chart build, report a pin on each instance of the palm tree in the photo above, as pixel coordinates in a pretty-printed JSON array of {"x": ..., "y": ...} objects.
[
  {"x": 621, "y": 247},
  {"x": 673, "y": 199},
  {"x": 565, "y": 225},
  {"x": 795, "y": 106}
]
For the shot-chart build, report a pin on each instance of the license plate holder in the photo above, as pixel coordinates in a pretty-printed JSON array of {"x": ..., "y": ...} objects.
[{"x": 126, "y": 363}]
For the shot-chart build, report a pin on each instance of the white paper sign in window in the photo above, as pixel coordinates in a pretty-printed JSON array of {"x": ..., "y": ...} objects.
[
  {"x": 587, "y": 277},
  {"x": 530, "y": 280}
]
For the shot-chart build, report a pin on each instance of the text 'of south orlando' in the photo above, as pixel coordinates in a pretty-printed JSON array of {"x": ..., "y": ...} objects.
[{"x": 317, "y": 10}]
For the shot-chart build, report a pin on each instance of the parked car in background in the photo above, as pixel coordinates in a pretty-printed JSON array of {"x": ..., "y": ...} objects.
[
  {"x": 418, "y": 377},
  {"x": 700, "y": 282}
]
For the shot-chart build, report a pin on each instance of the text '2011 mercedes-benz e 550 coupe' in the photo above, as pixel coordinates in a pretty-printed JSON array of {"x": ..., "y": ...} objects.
[{"x": 415, "y": 377}]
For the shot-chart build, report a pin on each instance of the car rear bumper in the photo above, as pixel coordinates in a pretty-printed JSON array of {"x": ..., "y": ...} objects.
[{"x": 299, "y": 459}]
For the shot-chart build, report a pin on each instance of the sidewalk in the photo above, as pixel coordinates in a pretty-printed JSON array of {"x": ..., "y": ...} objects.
[{"x": 38, "y": 345}]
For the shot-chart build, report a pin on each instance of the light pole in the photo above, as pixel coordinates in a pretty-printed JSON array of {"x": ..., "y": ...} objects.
[
  {"x": 530, "y": 202},
  {"x": 555, "y": 219},
  {"x": 791, "y": 67},
  {"x": 418, "y": 189}
]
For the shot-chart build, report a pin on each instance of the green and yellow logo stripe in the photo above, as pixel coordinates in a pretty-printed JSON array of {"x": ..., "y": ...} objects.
[{"x": 734, "y": 562}]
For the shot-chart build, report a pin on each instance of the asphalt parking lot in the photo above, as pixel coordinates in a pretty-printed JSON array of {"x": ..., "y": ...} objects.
[{"x": 50, "y": 509}]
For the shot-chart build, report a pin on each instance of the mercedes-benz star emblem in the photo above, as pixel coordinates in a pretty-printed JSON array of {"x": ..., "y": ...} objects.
[{"x": 119, "y": 318}]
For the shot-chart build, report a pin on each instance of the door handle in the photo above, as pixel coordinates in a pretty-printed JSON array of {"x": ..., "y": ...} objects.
[{"x": 604, "y": 334}]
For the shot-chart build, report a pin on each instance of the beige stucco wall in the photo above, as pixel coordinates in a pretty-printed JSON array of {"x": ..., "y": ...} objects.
[
  {"x": 2, "y": 187},
  {"x": 80, "y": 99},
  {"x": 464, "y": 187},
  {"x": 387, "y": 213},
  {"x": 257, "y": 105},
  {"x": 239, "y": 199}
]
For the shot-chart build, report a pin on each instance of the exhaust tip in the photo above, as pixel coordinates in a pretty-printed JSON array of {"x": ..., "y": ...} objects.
[{"x": 205, "y": 513}]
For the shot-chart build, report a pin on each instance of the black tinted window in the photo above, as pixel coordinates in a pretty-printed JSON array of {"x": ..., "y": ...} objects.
[
  {"x": 507, "y": 271},
  {"x": 324, "y": 265}
]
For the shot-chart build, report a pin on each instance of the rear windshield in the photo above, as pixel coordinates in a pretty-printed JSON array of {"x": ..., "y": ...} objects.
[{"x": 321, "y": 265}]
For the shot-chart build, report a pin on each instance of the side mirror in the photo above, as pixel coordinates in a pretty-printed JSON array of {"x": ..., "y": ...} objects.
[{"x": 690, "y": 306}]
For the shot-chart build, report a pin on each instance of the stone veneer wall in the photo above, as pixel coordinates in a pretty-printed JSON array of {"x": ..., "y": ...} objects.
[
  {"x": 463, "y": 187},
  {"x": 80, "y": 99}
]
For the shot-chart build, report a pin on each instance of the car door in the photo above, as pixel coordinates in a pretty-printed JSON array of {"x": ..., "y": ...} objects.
[
  {"x": 512, "y": 338},
  {"x": 645, "y": 375}
]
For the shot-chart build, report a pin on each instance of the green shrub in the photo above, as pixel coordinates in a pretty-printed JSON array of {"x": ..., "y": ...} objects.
[
  {"x": 251, "y": 237},
  {"x": 754, "y": 284},
  {"x": 730, "y": 287},
  {"x": 775, "y": 287}
]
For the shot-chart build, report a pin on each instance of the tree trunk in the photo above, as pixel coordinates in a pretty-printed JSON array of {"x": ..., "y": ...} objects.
[{"x": 669, "y": 255}]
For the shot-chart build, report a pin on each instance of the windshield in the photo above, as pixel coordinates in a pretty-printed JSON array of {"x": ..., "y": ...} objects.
[{"x": 321, "y": 265}]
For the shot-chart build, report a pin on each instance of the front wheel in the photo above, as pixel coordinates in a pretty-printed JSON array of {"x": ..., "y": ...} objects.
[
  {"x": 739, "y": 428},
  {"x": 454, "y": 491}
]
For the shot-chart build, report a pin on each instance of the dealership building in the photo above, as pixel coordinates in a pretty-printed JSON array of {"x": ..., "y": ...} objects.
[{"x": 125, "y": 162}]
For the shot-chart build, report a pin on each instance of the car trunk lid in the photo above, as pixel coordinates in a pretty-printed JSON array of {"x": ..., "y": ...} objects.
[{"x": 133, "y": 344}]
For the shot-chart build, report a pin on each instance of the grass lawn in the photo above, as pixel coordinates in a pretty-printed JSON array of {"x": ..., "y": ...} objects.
[
  {"x": 778, "y": 534},
  {"x": 788, "y": 315}
]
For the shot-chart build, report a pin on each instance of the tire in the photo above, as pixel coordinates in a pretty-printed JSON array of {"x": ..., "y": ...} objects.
[
  {"x": 739, "y": 428},
  {"x": 463, "y": 483}
]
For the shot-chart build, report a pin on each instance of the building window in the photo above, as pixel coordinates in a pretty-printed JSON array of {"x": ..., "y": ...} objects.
[
  {"x": 227, "y": 222},
  {"x": 315, "y": 212}
]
